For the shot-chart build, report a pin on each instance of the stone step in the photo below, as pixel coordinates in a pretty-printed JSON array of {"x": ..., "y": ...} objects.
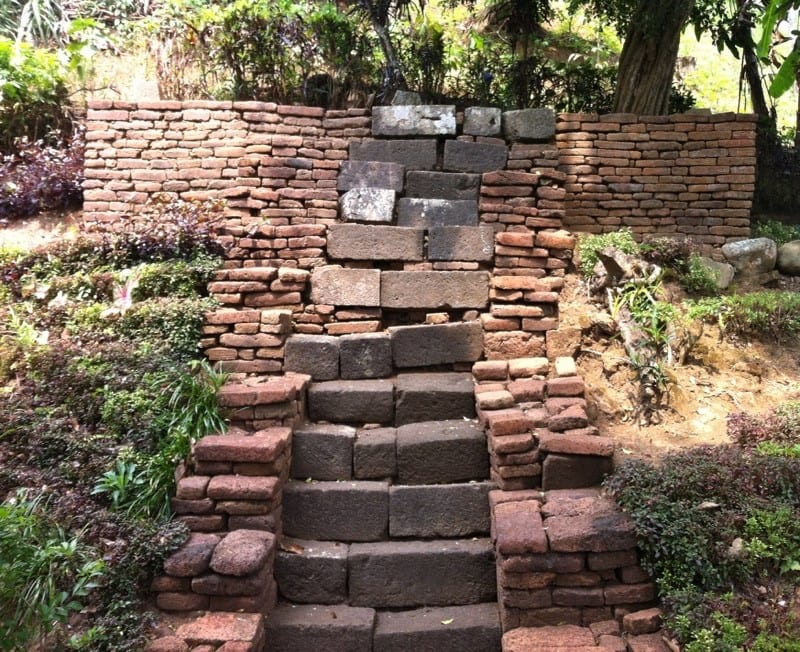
[
  {"x": 332, "y": 628},
  {"x": 322, "y": 452},
  {"x": 468, "y": 628},
  {"x": 398, "y": 574},
  {"x": 439, "y": 511},
  {"x": 434, "y": 452},
  {"x": 312, "y": 572},
  {"x": 341, "y": 628},
  {"x": 407, "y": 398}
]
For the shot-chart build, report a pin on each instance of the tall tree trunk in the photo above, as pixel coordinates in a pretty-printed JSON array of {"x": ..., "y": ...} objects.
[
  {"x": 647, "y": 62},
  {"x": 752, "y": 75},
  {"x": 395, "y": 79}
]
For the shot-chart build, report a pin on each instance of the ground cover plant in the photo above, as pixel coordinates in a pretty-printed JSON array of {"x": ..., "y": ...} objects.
[
  {"x": 102, "y": 393},
  {"x": 719, "y": 528}
]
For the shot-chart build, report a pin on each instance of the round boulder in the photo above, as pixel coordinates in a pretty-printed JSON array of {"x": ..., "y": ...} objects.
[
  {"x": 789, "y": 258},
  {"x": 757, "y": 255}
]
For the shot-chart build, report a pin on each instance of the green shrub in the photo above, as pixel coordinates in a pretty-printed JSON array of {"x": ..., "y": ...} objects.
[
  {"x": 771, "y": 314},
  {"x": 590, "y": 245},
  {"x": 778, "y": 231},
  {"x": 179, "y": 278},
  {"x": 33, "y": 93},
  {"x": 697, "y": 278}
]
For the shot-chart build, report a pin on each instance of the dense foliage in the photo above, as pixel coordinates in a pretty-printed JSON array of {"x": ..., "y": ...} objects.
[{"x": 104, "y": 395}]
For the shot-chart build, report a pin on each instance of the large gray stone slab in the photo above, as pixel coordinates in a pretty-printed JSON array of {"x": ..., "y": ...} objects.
[
  {"x": 336, "y": 511},
  {"x": 447, "y": 510},
  {"x": 483, "y": 121},
  {"x": 361, "y": 242},
  {"x": 467, "y": 628},
  {"x": 788, "y": 261},
  {"x": 368, "y": 205},
  {"x": 529, "y": 124},
  {"x": 441, "y": 451},
  {"x": 352, "y": 401},
  {"x": 446, "y": 290},
  {"x": 433, "y": 344},
  {"x": 312, "y": 572},
  {"x": 465, "y": 243},
  {"x": 417, "y": 154},
  {"x": 340, "y": 286},
  {"x": 414, "y": 120},
  {"x": 315, "y": 355},
  {"x": 432, "y": 396},
  {"x": 424, "y": 213},
  {"x": 370, "y": 174},
  {"x": 394, "y": 574},
  {"x": 574, "y": 471},
  {"x": 323, "y": 452},
  {"x": 375, "y": 454},
  {"x": 291, "y": 628},
  {"x": 756, "y": 255},
  {"x": 465, "y": 156},
  {"x": 442, "y": 185},
  {"x": 365, "y": 355}
]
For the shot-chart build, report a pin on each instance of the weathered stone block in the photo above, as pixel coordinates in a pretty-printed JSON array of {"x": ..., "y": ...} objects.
[
  {"x": 368, "y": 205},
  {"x": 483, "y": 121},
  {"x": 464, "y": 156},
  {"x": 428, "y": 397},
  {"x": 468, "y": 243},
  {"x": 291, "y": 628},
  {"x": 442, "y": 185},
  {"x": 375, "y": 454},
  {"x": 352, "y": 401},
  {"x": 574, "y": 471},
  {"x": 417, "y": 154},
  {"x": 434, "y": 289},
  {"x": 414, "y": 120},
  {"x": 441, "y": 451},
  {"x": 413, "y": 573},
  {"x": 315, "y": 355},
  {"x": 365, "y": 355},
  {"x": 425, "y": 213},
  {"x": 433, "y": 344},
  {"x": 359, "y": 242},
  {"x": 315, "y": 574},
  {"x": 449, "y": 510},
  {"x": 338, "y": 286},
  {"x": 242, "y": 552},
  {"x": 337, "y": 511},
  {"x": 370, "y": 174},
  {"x": 529, "y": 124},
  {"x": 323, "y": 452}
]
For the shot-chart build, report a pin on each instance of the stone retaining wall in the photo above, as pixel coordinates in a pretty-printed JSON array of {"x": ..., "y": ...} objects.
[{"x": 690, "y": 173}]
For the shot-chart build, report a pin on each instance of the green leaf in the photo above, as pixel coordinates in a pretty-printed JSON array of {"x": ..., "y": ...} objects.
[{"x": 786, "y": 75}]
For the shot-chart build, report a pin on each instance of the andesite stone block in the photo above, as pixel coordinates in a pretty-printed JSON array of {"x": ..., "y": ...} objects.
[
  {"x": 323, "y": 452},
  {"x": 362, "y": 242},
  {"x": 336, "y": 511},
  {"x": 368, "y": 205},
  {"x": 529, "y": 124},
  {"x": 466, "y": 243},
  {"x": 315, "y": 355},
  {"x": 375, "y": 453},
  {"x": 365, "y": 355},
  {"x": 370, "y": 174},
  {"x": 352, "y": 401},
  {"x": 312, "y": 572},
  {"x": 483, "y": 121},
  {"x": 339, "y": 286},
  {"x": 433, "y": 344},
  {"x": 441, "y": 451},
  {"x": 442, "y": 185},
  {"x": 430, "y": 511},
  {"x": 433, "y": 396},
  {"x": 417, "y": 154},
  {"x": 291, "y": 628},
  {"x": 392, "y": 574},
  {"x": 414, "y": 120},
  {"x": 423, "y": 289},
  {"x": 465, "y": 156},
  {"x": 560, "y": 471},
  {"x": 424, "y": 212}
]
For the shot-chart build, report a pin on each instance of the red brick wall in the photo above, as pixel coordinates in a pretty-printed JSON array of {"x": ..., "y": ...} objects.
[{"x": 688, "y": 173}]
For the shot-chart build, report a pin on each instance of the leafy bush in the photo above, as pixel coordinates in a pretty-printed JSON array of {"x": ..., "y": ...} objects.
[
  {"x": 590, "y": 245},
  {"x": 46, "y": 572},
  {"x": 697, "y": 278},
  {"x": 39, "y": 177},
  {"x": 33, "y": 93},
  {"x": 779, "y": 428},
  {"x": 772, "y": 314},
  {"x": 668, "y": 251},
  {"x": 778, "y": 231}
]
